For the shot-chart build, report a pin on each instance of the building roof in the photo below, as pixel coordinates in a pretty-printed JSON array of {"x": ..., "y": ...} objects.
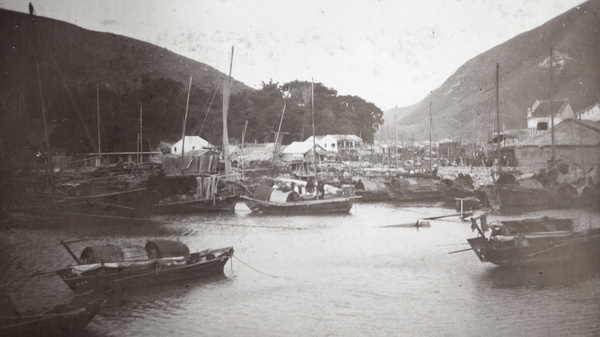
[
  {"x": 548, "y": 108},
  {"x": 300, "y": 148},
  {"x": 570, "y": 132},
  {"x": 591, "y": 107},
  {"x": 347, "y": 137}
]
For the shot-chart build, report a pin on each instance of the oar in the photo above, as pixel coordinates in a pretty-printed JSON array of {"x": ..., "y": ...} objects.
[
  {"x": 460, "y": 251},
  {"x": 449, "y": 215},
  {"x": 407, "y": 225}
]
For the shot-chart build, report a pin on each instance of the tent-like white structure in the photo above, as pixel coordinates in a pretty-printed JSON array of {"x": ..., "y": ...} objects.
[{"x": 191, "y": 143}]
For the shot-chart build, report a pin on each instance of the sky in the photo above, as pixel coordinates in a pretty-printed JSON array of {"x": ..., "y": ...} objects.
[{"x": 388, "y": 52}]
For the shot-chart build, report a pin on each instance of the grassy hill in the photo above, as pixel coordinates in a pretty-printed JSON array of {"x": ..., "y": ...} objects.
[
  {"x": 462, "y": 105},
  {"x": 130, "y": 75}
]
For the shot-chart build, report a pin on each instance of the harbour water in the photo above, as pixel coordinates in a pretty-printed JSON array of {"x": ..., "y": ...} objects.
[{"x": 332, "y": 275}]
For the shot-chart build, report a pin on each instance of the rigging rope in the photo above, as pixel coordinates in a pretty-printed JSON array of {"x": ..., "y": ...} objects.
[{"x": 256, "y": 270}]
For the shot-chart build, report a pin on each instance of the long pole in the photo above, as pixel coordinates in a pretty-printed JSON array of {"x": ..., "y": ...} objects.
[
  {"x": 312, "y": 91},
  {"x": 275, "y": 150},
  {"x": 551, "y": 105},
  {"x": 243, "y": 137},
  {"x": 498, "y": 115},
  {"x": 187, "y": 105},
  {"x": 226, "y": 94},
  {"x": 141, "y": 137},
  {"x": 430, "y": 128},
  {"x": 98, "y": 116},
  {"x": 43, "y": 106}
]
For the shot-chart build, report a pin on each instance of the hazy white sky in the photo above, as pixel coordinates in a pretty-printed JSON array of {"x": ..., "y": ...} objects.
[{"x": 389, "y": 52}]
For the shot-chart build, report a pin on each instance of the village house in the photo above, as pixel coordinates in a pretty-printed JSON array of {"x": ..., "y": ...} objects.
[
  {"x": 539, "y": 116},
  {"x": 337, "y": 143},
  {"x": 575, "y": 142},
  {"x": 591, "y": 113},
  {"x": 301, "y": 151},
  {"x": 191, "y": 143}
]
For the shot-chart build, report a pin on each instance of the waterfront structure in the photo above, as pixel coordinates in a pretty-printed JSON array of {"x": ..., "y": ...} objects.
[
  {"x": 539, "y": 116},
  {"x": 576, "y": 142}
]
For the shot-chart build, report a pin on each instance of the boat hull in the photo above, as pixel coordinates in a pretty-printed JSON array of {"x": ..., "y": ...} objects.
[
  {"x": 60, "y": 321},
  {"x": 528, "y": 251},
  {"x": 338, "y": 205},
  {"x": 104, "y": 279},
  {"x": 219, "y": 204}
]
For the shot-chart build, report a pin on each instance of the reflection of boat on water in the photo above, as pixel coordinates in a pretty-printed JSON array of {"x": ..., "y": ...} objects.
[
  {"x": 62, "y": 320},
  {"x": 159, "y": 261},
  {"x": 267, "y": 200},
  {"x": 534, "y": 242}
]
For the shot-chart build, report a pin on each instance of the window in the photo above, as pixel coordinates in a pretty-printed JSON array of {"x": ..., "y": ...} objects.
[
  {"x": 542, "y": 126},
  {"x": 332, "y": 144}
]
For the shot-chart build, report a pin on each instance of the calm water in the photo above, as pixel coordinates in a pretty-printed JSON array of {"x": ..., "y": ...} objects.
[{"x": 336, "y": 275}]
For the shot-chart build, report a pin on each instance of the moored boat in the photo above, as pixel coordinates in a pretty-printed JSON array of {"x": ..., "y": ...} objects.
[
  {"x": 267, "y": 200},
  {"x": 534, "y": 242},
  {"x": 62, "y": 320},
  {"x": 414, "y": 189},
  {"x": 113, "y": 267}
]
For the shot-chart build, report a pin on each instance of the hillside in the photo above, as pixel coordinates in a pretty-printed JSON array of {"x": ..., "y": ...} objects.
[
  {"x": 74, "y": 64},
  {"x": 461, "y": 106}
]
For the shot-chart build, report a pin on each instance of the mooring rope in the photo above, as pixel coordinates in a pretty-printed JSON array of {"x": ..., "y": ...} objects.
[{"x": 256, "y": 270}]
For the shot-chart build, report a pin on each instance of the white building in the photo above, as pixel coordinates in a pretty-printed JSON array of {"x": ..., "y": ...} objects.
[
  {"x": 191, "y": 143},
  {"x": 302, "y": 151},
  {"x": 591, "y": 113},
  {"x": 539, "y": 116},
  {"x": 337, "y": 143}
]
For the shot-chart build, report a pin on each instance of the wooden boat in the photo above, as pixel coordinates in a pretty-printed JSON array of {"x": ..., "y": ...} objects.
[
  {"x": 512, "y": 192},
  {"x": 266, "y": 200},
  {"x": 212, "y": 194},
  {"x": 372, "y": 189},
  {"x": 413, "y": 189},
  {"x": 112, "y": 267},
  {"x": 62, "y": 320},
  {"x": 534, "y": 242}
]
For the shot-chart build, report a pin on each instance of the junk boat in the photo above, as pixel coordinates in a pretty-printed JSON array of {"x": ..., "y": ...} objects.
[
  {"x": 534, "y": 242},
  {"x": 62, "y": 320},
  {"x": 112, "y": 267}
]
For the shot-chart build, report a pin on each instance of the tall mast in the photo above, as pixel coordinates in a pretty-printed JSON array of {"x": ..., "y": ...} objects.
[
  {"x": 141, "y": 137},
  {"x": 275, "y": 151},
  {"x": 498, "y": 115},
  {"x": 243, "y": 137},
  {"x": 551, "y": 106},
  {"x": 312, "y": 91},
  {"x": 46, "y": 135},
  {"x": 98, "y": 115},
  {"x": 187, "y": 105},
  {"x": 430, "y": 128},
  {"x": 226, "y": 94}
]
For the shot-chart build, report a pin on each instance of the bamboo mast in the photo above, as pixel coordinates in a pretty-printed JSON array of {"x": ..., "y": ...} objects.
[
  {"x": 98, "y": 117},
  {"x": 430, "y": 128},
  {"x": 312, "y": 90},
  {"x": 498, "y": 115},
  {"x": 226, "y": 94},
  {"x": 243, "y": 137},
  {"x": 43, "y": 106},
  {"x": 551, "y": 106},
  {"x": 141, "y": 136},
  {"x": 275, "y": 151},
  {"x": 187, "y": 105}
]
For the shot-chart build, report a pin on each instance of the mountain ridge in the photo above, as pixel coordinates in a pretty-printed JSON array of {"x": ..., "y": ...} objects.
[{"x": 462, "y": 104}]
